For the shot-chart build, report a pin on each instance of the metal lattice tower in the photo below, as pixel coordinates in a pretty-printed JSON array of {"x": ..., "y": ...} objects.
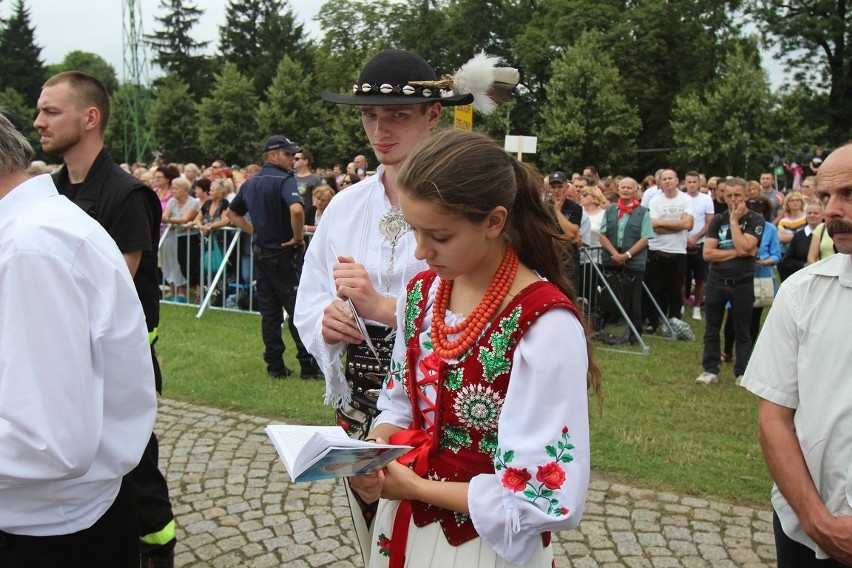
[{"x": 135, "y": 93}]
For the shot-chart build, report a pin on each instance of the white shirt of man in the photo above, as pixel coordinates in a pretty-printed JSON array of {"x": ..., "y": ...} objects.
[
  {"x": 649, "y": 194},
  {"x": 350, "y": 227},
  {"x": 702, "y": 205},
  {"x": 670, "y": 209},
  {"x": 800, "y": 361},
  {"x": 77, "y": 404}
]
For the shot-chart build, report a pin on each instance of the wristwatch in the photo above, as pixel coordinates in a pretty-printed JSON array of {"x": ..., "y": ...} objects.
[{"x": 629, "y": 256}]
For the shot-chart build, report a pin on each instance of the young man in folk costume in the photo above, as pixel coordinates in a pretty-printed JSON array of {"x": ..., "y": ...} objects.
[{"x": 364, "y": 250}]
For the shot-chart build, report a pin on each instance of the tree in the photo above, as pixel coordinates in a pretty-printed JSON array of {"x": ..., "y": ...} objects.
[
  {"x": 587, "y": 119},
  {"x": 90, "y": 63},
  {"x": 21, "y": 66},
  {"x": 799, "y": 118},
  {"x": 255, "y": 34},
  {"x": 723, "y": 130},
  {"x": 174, "y": 121},
  {"x": 289, "y": 108},
  {"x": 352, "y": 32},
  {"x": 121, "y": 139},
  {"x": 226, "y": 128},
  {"x": 14, "y": 102},
  {"x": 647, "y": 40},
  {"x": 175, "y": 48},
  {"x": 813, "y": 37}
]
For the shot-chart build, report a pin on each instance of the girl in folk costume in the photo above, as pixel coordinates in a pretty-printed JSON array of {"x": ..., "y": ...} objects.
[{"x": 489, "y": 373}]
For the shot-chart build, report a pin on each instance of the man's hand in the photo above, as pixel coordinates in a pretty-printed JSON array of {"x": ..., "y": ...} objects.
[
  {"x": 369, "y": 486},
  {"x": 738, "y": 212},
  {"x": 352, "y": 281},
  {"x": 835, "y": 538},
  {"x": 294, "y": 242},
  {"x": 338, "y": 324}
]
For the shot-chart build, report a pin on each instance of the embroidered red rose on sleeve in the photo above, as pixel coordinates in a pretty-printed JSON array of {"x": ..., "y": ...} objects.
[
  {"x": 551, "y": 475},
  {"x": 516, "y": 479}
]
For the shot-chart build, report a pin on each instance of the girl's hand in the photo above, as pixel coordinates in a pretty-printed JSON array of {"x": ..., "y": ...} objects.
[{"x": 400, "y": 482}]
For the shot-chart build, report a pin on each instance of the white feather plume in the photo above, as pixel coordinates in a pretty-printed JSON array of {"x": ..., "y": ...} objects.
[{"x": 476, "y": 77}]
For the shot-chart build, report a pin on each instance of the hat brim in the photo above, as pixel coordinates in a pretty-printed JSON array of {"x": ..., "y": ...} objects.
[{"x": 376, "y": 99}]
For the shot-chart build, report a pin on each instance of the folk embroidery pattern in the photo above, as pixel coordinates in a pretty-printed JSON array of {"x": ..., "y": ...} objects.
[
  {"x": 384, "y": 545},
  {"x": 478, "y": 406},
  {"x": 494, "y": 360},
  {"x": 549, "y": 476},
  {"x": 412, "y": 309},
  {"x": 454, "y": 438},
  {"x": 454, "y": 379}
]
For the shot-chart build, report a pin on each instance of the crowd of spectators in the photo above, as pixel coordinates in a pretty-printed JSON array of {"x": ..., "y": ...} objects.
[
  {"x": 676, "y": 236},
  {"x": 662, "y": 248}
]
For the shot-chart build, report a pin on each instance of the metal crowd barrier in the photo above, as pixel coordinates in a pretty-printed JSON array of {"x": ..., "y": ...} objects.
[
  {"x": 229, "y": 285},
  {"x": 593, "y": 284}
]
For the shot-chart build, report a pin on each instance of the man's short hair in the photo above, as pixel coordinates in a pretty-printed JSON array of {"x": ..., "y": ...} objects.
[
  {"x": 737, "y": 181},
  {"x": 307, "y": 156},
  {"x": 87, "y": 91},
  {"x": 15, "y": 151},
  {"x": 692, "y": 173}
]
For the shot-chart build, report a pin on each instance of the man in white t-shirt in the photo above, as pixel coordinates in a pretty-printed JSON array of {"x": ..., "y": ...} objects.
[
  {"x": 696, "y": 267},
  {"x": 671, "y": 219}
]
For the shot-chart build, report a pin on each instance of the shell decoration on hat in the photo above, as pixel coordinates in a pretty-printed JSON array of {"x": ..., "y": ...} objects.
[{"x": 480, "y": 77}]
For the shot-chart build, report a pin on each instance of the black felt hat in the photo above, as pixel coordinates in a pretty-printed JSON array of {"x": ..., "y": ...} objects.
[{"x": 392, "y": 78}]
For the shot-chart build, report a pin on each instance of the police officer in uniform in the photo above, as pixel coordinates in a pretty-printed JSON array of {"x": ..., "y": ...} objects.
[{"x": 277, "y": 227}]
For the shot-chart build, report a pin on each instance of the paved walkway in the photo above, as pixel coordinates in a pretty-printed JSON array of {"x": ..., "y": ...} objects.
[{"x": 236, "y": 507}]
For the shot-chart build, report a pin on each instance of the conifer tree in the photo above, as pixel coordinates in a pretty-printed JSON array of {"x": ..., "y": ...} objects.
[
  {"x": 176, "y": 50},
  {"x": 226, "y": 125},
  {"x": 21, "y": 67}
]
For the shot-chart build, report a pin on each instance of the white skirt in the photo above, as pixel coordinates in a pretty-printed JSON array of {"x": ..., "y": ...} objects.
[{"x": 427, "y": 547}]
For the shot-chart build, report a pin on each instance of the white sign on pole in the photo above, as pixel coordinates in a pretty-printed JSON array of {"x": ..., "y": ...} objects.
[{"x": 521, "y": 145}]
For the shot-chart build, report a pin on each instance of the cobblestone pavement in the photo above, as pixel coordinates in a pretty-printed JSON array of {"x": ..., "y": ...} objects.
[{"x": 235, "y": 506}]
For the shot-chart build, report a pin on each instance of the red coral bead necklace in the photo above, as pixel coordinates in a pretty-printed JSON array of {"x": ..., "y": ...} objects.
[{"x": 470, "y": 328}]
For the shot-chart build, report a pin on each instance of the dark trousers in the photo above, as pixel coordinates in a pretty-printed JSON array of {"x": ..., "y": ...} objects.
[
  {"x": 189, "y": 257},
  {"x": 631, "y": 300},
  {"x": 741, "y": 296},
  {"x": 792, "y": 554},
  {"x": 110, "y": 543},
  {"x": 152, "y": 493},
  {"x": 277, "y": 283},
  {"x": 150, "y": 487},
  {"x": 756, "y": 314},
  {"x": 665, "y": 274}
]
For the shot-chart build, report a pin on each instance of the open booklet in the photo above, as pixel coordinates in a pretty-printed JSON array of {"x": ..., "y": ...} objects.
[{"x": 310, "y": 453}]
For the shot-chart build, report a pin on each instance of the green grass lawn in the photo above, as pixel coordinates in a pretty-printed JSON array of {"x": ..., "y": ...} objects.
[{"x": 657, "y": 427}]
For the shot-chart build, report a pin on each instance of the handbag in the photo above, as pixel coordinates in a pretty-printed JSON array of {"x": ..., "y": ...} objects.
[
  {"x": 212, "y": 257},
  {"x": 764, "y": 291}
]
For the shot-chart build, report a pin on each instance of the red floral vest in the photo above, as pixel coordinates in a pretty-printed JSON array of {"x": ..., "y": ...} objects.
[{"x": 462, "y": 442}]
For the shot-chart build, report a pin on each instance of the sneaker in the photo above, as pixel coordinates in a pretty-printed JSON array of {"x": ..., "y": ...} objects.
[
  {"x": 696, "y": 313},
  {"x": 739, "y": 380},
  {"x": 706, "y": 378}
]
